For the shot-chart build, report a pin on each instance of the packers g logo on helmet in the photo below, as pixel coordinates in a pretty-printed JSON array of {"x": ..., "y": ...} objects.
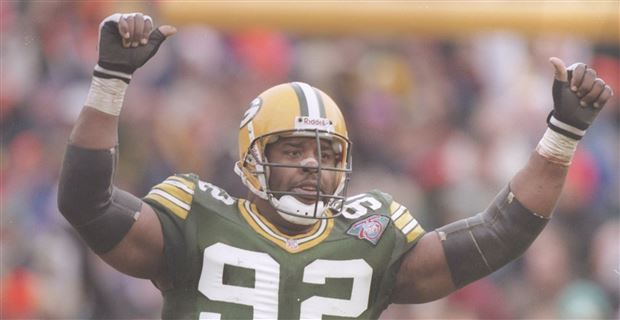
[
  {"x": 293, "y": 109},
  {"x": 251, "y": 112}
]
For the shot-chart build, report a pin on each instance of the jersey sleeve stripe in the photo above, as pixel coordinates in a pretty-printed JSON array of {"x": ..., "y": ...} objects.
[
  {"x": 175, "y": 192},
  {"x": 166, "y": 203},
  {"x": 415, "y": 233},
  {"x": 402, "y": 221},
  {"x": 180, "y": 185},
  {"x": 182, "y": 180},
  {"x": 405, "y": 222},
  {"x": 412, "y": 224},
  {"x": 394, "y": 206},
  {"x": 401, "y": 210},
  {"x": 170, "y": 198}
]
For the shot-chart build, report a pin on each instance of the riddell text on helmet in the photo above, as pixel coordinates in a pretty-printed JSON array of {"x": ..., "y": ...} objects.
[{"x": 322, "y": 124}]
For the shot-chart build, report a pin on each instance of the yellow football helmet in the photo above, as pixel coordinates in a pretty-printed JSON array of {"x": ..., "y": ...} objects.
[{"x": 291, "y": 110}]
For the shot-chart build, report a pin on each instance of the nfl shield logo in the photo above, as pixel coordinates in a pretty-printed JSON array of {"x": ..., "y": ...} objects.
[
  {"x": 370, "y": 228},
  {"x": 292, "y": 243}
]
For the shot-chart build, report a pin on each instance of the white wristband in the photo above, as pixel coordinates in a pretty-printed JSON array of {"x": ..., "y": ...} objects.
[
  {"x": 557, "y": 147},
  {"x": 106, "y": 95}
]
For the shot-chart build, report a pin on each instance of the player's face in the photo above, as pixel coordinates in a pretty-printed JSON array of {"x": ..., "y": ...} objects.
[{"x": 302, "y": 151}]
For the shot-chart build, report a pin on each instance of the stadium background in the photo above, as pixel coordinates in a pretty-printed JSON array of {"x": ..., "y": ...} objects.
[{"x": 444, "y": 103}]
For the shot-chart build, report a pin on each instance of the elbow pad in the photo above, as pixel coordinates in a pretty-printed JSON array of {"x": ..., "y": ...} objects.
[
  {"x": 101, "y": 213},
  {"x": 479, "y": 245}
]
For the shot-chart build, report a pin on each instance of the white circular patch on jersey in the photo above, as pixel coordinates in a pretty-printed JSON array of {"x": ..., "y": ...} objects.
[{"x": 251, "y": 112}]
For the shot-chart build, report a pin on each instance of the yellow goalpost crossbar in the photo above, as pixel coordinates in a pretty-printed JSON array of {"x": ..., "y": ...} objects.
[{"x": 594, "y": 20}]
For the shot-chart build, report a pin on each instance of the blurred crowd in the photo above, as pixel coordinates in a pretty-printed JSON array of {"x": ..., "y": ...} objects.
[{"x": 442, "y": 124}]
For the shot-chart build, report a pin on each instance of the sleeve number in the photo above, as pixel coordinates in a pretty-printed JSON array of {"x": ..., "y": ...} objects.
[
  {"x": 359, "y": 205},
  {"x": 216, "y": 193},
  {"x": 263, "y": 297}
]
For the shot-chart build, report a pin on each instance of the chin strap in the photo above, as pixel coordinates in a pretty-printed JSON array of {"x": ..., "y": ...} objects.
[{"x": 295, "y": 211}]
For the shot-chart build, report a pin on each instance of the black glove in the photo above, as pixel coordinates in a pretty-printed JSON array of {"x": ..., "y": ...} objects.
[
  {"x": 568, "y": 116},
  {"x": 116, "y": 61}
]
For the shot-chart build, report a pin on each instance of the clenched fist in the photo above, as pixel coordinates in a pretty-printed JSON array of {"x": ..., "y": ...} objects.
[
  {"x": 126, "y": 42},
  {"x": 578, "y": 96}
]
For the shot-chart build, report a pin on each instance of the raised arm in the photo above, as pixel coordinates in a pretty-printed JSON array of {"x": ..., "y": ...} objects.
[
  {"x": 118, "y": 226},
  {"x": 469, "y": 249}
]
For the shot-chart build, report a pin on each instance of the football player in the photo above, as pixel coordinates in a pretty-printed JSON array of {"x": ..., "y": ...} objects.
[{"x": 298, "y": 246}]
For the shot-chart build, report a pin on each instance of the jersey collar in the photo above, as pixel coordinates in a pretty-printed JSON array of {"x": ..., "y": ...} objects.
[{"x": 293, "y": 244}]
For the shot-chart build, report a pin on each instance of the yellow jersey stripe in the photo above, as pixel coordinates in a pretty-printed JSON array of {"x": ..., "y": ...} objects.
[
  {"x": 401, "y": 210},
  {"x": 257, "y": 224},
  {"x": 171, "y": 198},
  {"x": 318, "y": 237},
  {"x": 190, "y": 184},
  {"x": 272, "y": 230},
  {"x": 168, "y": 204},
  {"x": 412, "y": 224},
  {"x": 415, "y": 233},
  {"x": 402, "y": 221},
  {"x": 394, "y": 206},
  {"x": 175, "y": 192},
  {"x": 275, "y": 230},
  {"x": 180, "y": 185}
]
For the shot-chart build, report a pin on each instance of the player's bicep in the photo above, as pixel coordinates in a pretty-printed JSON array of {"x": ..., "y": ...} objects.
[
  {"x": 140, "y": 253},
  {"x": 424, "y": 274}
]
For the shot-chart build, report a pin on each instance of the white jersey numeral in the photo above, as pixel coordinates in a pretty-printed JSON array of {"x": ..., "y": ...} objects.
[
  {"x": 263, "y": 297},
  {"x": 319, "y": 270}
]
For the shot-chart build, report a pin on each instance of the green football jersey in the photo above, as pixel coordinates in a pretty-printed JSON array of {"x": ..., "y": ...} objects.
[{"x": 228, "y": 262}]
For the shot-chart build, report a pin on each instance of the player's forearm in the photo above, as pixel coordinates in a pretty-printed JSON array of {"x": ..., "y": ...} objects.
[
  {"x": 539, "y": 184},
  {"x": 97, "y": 125},
  {"x": 95, "y": 130}
]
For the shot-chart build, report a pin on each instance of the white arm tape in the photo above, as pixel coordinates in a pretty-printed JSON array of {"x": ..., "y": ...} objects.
[
  {"x": 106, "y": 95},
  {"x": 557, "y": 147}
]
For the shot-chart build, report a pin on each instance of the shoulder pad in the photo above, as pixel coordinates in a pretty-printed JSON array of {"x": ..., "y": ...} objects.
[{"x": 175, "y": 194}]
